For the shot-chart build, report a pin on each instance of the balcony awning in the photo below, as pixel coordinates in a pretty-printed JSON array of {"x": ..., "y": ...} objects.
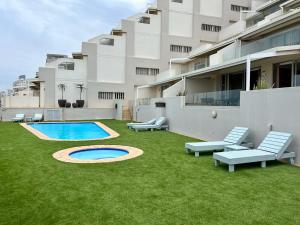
[{"x": 274, "y": 52}]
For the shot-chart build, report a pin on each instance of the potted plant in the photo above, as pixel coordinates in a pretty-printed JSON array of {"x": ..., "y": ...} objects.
[
  {"x": 80, "y": 102},
  {"x": 62, "y": 102}
]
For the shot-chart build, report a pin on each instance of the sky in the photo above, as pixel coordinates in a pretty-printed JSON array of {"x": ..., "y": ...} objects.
[{"x": 31, "y": 29}]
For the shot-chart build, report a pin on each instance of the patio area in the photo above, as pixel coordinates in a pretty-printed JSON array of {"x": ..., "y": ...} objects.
[{"x": 163, "y": 186}]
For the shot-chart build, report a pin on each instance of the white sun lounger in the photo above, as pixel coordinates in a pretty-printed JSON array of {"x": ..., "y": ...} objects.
[
  {"x": 18, "y": 118},
  {"x": 150, "y": 122},
  {"x": 37, "y": 117},
  {"x": 160, "y": 124},
  {"x": 273, "y": 147},
  {"x": 236, "y": 136}
]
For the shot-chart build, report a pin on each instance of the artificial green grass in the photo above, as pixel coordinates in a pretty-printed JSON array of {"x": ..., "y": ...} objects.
[{"x": 163, "y": 186}]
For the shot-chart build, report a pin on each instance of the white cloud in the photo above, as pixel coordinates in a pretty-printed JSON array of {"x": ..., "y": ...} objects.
[{"x": 134, "y": 4}]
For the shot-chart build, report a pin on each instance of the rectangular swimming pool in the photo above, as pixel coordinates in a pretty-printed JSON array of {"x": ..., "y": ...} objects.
[{"x": 75, "y": 131}]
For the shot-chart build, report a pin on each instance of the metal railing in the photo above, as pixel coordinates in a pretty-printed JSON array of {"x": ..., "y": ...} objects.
[{"x": 216, "y": 98}]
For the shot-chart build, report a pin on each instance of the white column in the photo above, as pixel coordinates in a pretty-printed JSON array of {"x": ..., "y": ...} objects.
[{"x": 248, "y": 73}]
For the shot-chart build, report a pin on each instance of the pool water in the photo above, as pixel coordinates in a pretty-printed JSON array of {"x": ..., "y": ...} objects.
[
  {"x": 71, "y": 131},
  {"x": 98, "y": 153}
]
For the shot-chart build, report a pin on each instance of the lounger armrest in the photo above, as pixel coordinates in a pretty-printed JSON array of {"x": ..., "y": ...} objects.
[
  {"x": 247, "y": 144},
  {"x": 287, "y": 155}
]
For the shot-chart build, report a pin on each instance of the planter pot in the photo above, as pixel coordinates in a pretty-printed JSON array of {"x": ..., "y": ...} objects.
[
  {"x": 74, "y": 105},
  {"x": 62, "y": 103},
  {"x": 80, "y": 103},
  {"x": 68, "y": 105}
]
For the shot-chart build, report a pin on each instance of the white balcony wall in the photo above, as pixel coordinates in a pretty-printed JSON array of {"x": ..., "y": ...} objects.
[
  {"x": 228, "y": 53},
  {"x": 71, "y": 78},
  {"x": 232, "y": 30},
  {"x": 163, "y": 76},
  {"x": 175, "y": 90},
  {"x": 21, "y": 102}
]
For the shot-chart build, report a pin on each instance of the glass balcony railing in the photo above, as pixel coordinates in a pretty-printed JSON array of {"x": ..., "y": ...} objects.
[
  {"x": 285, "y": 38},
  {"x": 217, "y": 98}
]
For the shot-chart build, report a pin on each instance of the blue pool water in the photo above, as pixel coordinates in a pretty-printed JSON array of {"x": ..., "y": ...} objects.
[
  {"x": 71, "y": 131},
  {"x": 98, "y": 153}
]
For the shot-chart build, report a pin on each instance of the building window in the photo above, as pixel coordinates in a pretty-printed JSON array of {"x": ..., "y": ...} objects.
[
  {"x": 106, "y": 95},
  {"x": 212, "y": 28},
  {"x": 66, "y": 66},
  {"x": 119, "y": 95},
  {"x": 179, "y": 48},
  {"x": 142, "y": 71},
  {"x": 111, "y": 95},
  {"x": 238, "y": 8},
  {"x": 147, "y": 71},
  {"x": 177, "y": 1},
  {"x": 145, "y": 20},
  {"x": 107, "y": 41},
  {"x": 154, "y": 71}
]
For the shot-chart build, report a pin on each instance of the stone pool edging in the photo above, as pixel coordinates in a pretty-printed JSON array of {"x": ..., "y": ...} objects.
[
  {"x": 64, "y": 155},
  {"x": 40, "y": 135}
]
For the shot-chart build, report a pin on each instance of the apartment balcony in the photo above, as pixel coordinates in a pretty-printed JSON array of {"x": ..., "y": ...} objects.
[
  {"x": 216, "y": 98},
  {"x": 285, "y": 38}
]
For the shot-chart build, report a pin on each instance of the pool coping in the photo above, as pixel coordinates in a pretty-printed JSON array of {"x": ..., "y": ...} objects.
[
  {"x": 40, "y": 135},
  {"x": 64, "y": 155}
]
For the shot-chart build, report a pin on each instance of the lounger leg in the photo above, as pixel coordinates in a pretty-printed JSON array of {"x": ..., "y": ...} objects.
[
  {"x": 263, "y": 164},
  {"x": 231, "y": 168},
  {"x": 136, "y": 130},
  {"x": 217, "y": 162},
  {"x": 187, "y": 150},
  {"x": 292, "y": 161},
  {"x": 152, "y": 129},
  {"x": 197, "y": 154}
]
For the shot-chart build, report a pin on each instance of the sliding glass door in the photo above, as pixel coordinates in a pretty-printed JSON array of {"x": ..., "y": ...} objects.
[{"x": 285, "y": 73}]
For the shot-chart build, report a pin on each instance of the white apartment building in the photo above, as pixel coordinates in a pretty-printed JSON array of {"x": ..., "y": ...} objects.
[
  {"x": 249, "y": 78},
  {"x": 112, "y": 66},
  {"x": 24, "y": 93}
]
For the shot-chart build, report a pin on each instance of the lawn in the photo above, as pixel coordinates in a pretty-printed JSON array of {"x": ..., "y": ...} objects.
[{"x": 163, "y": 186}]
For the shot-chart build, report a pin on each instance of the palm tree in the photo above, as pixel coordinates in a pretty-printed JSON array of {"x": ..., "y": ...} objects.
[{"x": 62, "y": 102}]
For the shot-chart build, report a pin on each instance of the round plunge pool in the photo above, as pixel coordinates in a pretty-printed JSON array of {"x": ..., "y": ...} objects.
[{"x": 97, "y": 154}]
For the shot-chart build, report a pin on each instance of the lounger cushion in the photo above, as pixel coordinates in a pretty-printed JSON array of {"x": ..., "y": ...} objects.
[
  {"x": 245, "y": 156},
  {"x": 158, "y": 125},
  {"x": 145, "y": 123},
  {"x": 206, "y": 146}
]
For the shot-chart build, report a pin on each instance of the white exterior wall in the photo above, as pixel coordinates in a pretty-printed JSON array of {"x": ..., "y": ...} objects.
[
  {"x": 22, "y": 102},
  {"x": 71, "y": 78},
  {"x": 211, "y": 8},
  {"x": 111, "y": 60},
  {"x": 176, "y": 18},
  {"x": 147, "y": 37},
  {"x": 181, "y": 13}
]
